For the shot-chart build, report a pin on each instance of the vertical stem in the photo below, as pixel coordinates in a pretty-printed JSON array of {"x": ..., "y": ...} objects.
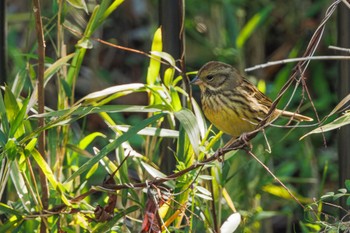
[
  {"x": 171, "y": 19},
  {"x": 3, "y": 56},
  {"x": 344, "y": 89},
  {"x": 41, "y": 104}
]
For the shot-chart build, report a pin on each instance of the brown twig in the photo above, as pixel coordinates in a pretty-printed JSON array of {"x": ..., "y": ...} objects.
[{"x": 41, "y": 103}]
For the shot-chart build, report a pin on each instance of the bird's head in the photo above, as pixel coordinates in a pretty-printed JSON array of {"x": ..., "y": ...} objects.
[{"x": 217, "y": 76}]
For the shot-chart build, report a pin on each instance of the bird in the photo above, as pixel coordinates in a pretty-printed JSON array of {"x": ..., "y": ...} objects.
[{"x": 232, "y": 103}]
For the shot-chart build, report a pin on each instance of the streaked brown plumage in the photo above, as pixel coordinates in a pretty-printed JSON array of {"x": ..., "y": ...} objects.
[{"x": 232, "y": 103}]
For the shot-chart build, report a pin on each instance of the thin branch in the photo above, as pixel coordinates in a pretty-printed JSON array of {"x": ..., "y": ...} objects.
[
  {"x": 127, "y": 49},
  {"x": 298, "y": 59},
  {"x": 275, "y": 177},
  {"x": 41, "y": 103},
  {"x": 347, "y": 50}
]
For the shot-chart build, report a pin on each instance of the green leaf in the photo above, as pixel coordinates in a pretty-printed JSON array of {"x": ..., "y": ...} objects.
[
  {"x": 82, "y": 111},
  {"x": 169, "y": 77},
  {"x": 348, "y": 201},
  {"x": 151, "y": 131},
  {"x": 89, "y": 138},
  {"x": 175, "y": 99},
  {"x": 49, "y": 175},
  {"x": 17, "y": 127},
  {"x": 154, "y": 64},
  {"x": 166, "y": 56},
  {"x": 127, "y": 88},
  {"x": 5, "y": 209},
  {"x": 347, "y": 185},
  {"x": 91, "y": 171},
  {"x": 85, "y": 43},
  {"x": 114, "y": 144},
  {"x": 18, "y": 83},
  {"x": 327, "y": 195},
  {"x": 79, "y": 4},
  {"x": 66, "y": 88},
  {"x": 252, "y": 25},
  {"x": 22, "y": 191},
  {"x": 336, "y": 124},
  {"x": 189, "y": 122},
  {"x": 342, "y": 190},
  {"x": 111, "y": 8},
  {"x": 337, "y": 196},
  {"x": 152, "y": 171},
  {"x": 4, "y": 120},
  {"x": 53, "y": 68},
  {"x": 11, "y": 105}
]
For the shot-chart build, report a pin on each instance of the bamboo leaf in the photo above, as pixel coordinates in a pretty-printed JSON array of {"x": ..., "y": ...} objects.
[
  {"x": 21, "y": 189},
  {"x": 82, "y": 111},
  {"x": 189, "y": 122},
  {"x": 154, "y": 64},
  {"x": 114, "y": 144},
  {"x": 151, "y": 131},
  {"x": 152, "y": 171},
  {"x": 337, "y": 123},
  {"x": 53, "y": 68},
  {"x": 79, "y": 4},
  {"x": 7, "y": 209},
  {"x": 231, "y": 223},
  {"x": 340, "y": 104},
  {"x": 166, "y": 56},
  {"x": 49, "y": 175},
  {"x": 128, "y": 88}
]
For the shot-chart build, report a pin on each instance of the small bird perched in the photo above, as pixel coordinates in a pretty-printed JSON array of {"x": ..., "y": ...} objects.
[{"x": 231, "y": 102}]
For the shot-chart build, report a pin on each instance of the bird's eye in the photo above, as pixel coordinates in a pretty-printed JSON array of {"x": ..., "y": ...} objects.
[{"x": 210, "y": 78}]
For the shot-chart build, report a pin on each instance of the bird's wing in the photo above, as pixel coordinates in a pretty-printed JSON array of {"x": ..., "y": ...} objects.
[{"x": 260, "y": 97}]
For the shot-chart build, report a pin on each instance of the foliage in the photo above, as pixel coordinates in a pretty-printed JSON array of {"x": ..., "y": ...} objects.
[{"x": 112, "y": 178}]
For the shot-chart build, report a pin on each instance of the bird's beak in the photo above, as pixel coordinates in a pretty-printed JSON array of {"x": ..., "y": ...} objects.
[{"x": 196, "y": 81}]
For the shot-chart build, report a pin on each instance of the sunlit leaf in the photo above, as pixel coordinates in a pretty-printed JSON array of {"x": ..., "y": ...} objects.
[
  {"x": 114, "y": 144},
  {"x": 99, "y": 109},
  {"x": 80, "y": 4},
  {"x": 203, "y": 196},
  {"x": 151, "y": 131},
  {"x": 17, "y": 127},
  {"x": 345, "y": 100},
  {"x": 203, "y": 190},
  {"x": 111, "y": 8},
  {"x": 166, "y": 56},
  {"x": 49, "y": 175},
  {"x": 53, "y": 68},
  {"x": 283, "y": 193},
  {"x": 231, "y": 223},
  {"x": 85, "y": 43},
  {"x": 189, "y": 122},
  {"x": 9, "y": 210},
  {"x": 129, "y": 88},
  {"x": 175, "y": 99},
  {"x": 22, "y": 191},
  {"x": 91, "y": 171},
  {"x": 336, "y": 124},
  {"x": 169, "y": 76},
  {"x": 154, "y": 64},
  {"x": 152, "y": 171},
  {"x": 199, "y": 118}
]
